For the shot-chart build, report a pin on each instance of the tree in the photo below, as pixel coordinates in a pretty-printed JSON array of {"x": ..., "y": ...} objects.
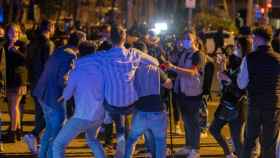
[
  {"x": 49, "y": 8},
  {"x": 213, "y": 19},
  {"x": 226, "y": 7},
  {"x": 14, "y": 10},
  {"x": 250, "y": 6}
]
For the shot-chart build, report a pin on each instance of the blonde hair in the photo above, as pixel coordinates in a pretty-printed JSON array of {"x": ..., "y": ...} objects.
[{"x": 14, "y": 27}]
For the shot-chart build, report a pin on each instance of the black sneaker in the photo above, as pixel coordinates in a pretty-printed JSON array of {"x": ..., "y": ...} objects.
[
  {"x": 19, "y": 134},
  {"x": 9, "y": 137}
]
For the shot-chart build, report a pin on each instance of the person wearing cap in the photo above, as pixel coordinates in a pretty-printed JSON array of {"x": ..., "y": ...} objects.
[
  {"x": 50, "y": 87},
  {"x": 260, "y": 75}
]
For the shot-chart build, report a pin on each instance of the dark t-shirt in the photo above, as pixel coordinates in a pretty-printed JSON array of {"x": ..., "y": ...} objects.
[
  {"x": 16, "y": 71},
  {"x": 196, "y": 59}
]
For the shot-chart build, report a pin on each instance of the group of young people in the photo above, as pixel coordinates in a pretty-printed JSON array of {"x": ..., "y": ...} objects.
[{"x": 123, "y": 77}]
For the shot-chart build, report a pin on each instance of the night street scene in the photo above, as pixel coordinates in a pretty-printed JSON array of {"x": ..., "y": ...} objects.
[{"x": 140, "y": 78}]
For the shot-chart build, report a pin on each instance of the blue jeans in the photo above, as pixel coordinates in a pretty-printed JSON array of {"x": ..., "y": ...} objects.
[
  {"x": 156, "y": 122},
  {"x": 39, "y": 119},
  {"x": 118, "y": 115},
  {"x": 72, "y": 129},
  {"x": 54, "y": 118},
  {"x": 190, "y": 113}
]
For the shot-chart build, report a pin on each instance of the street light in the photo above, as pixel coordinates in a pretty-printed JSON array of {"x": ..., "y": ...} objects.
[
  {"x": 269, "y": 5},
  {"x": 159, "y": 27}
]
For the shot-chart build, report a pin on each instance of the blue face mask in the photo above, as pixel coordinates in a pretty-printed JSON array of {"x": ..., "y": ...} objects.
[{"x": 187, "y": 44}]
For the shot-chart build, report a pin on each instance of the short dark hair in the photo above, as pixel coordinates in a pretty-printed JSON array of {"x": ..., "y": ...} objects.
[
  {"x": 264, "y": 32},
  {"x": 76, "y": 38},
  {"x": 106, "y": 45},
  {"x": 117, "y": 34},
  {"x": 87, "y": 47},
  {"x": 141, "y": 46},
  {"x": 45, "y": 25},
  {"x": 245, "y": 45}
]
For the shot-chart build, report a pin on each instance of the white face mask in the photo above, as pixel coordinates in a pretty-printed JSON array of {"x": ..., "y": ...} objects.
[{"x": 187, "y": 44}]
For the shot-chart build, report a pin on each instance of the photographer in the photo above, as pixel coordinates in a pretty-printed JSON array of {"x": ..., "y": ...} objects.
[{"x": 189, "y": 86}]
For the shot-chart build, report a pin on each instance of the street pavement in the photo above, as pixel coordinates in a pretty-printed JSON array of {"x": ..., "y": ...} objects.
[{"x": 79, "y": 149}]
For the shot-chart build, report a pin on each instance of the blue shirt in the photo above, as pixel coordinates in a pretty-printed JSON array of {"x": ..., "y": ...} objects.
[
  {"x": 86, "y": 85},
  {"x": 51, "y": 83}
]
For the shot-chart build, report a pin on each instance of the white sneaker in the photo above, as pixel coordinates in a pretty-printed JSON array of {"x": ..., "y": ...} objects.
[
  {"x": 193, "y": 154},
  {"x": 183, "y": 151},
  {"x": 31, "y": 142},
  {"x": 178, "y": 130},
  {"x": 120, "y": 150},
  {"x": 231, "y": 155}
]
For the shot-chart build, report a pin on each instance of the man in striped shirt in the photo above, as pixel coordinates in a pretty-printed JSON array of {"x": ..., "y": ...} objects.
[{"x": 118, "y": 67}]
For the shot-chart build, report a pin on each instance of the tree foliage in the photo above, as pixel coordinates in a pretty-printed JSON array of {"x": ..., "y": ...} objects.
[
  {"x": 49, "y": 8},
  {"x": 215, "y": 19}
]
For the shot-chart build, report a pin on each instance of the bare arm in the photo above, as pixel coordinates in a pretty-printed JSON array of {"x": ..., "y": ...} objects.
[
  {"x": 189, "y": 71},
  {"x": 193, "y": 70},
  {"x": 147, "y": 59}
]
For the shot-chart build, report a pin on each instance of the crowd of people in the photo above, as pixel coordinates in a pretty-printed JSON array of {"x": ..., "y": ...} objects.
[{"x": 80, "y": 85}]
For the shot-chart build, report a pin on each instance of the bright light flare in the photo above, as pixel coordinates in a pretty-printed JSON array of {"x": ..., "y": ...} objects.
[
  {"x": 269, "y": 5},
  {"x": 262, "y": 10},
  {"x": 162, "y": 26},
  {"x": 156, "y": 31},
  {"x": 159, "y": 27}
]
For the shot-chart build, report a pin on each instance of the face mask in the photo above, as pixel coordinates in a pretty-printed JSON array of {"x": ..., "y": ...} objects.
[{"x": 187, "y": 44}]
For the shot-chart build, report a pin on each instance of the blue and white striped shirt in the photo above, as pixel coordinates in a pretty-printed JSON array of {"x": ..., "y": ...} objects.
[{"x": 119, "y": 67}]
